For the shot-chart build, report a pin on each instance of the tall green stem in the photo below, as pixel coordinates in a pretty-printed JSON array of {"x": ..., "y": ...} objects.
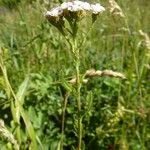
[
  {"x": 75, "y": 51},
  {"x": 79, "y": 104}
]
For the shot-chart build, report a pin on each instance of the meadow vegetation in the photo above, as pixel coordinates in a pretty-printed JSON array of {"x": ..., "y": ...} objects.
[{"x": 38, "y": 110}]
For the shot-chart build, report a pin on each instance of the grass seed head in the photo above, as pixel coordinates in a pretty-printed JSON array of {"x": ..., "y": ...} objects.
[
  {"x": 115, "y": 9},
  {"x": 146, "y": 39},
  {"x": 99, "y": 73},
  {"x": 8, "y": 135}
]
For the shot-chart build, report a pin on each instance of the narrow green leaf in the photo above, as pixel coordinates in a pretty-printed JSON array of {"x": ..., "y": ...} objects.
[
  {"x": 67, "y": 86},
  {"x": 30, "y": 129},
  {"x": 22, "y": 89}
]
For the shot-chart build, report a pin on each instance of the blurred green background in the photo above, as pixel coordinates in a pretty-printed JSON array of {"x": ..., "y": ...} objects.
[{"x": 119, "y": 118}]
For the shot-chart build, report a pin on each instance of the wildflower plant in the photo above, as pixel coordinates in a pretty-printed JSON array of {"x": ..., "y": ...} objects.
[
  {"x": 66, "y": 18},
  {"x": 72, "y": 13}
]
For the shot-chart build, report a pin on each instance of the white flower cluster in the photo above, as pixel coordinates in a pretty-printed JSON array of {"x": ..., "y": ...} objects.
[
  {"x": 75, "y": 6},
  {"x": 57, "y": 11}
]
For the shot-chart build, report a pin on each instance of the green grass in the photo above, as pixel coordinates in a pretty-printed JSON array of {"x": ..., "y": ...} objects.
[{"x": 32, "y": 49}]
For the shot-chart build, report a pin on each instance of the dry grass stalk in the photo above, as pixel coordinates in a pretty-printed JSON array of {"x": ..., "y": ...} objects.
[
  {"x": 146, "y": 39},
  {"x": 115, "y": 9},
  {"x": 93, "y": 73},
  {"x": 8, "y": 135},
  {"x": 98, "y": 73}
]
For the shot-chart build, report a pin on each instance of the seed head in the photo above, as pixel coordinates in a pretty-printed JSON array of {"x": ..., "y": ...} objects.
[
  {"x": 115, "y": 9},
  {"x": 5, "y": 133},
  {"x": 99, "y": 73},
  {"x": 146, "y": 39}
]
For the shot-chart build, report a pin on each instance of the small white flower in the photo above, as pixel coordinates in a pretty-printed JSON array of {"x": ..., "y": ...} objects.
[
  {"x": 76, "y": 2},
  {"x": 75, "y": 6},
  {"x": 83, "y": 5},
  {"x": 97, "y": 8},
  {"x": 86, "y": 6},
  {"x": 65, "y": 5},
  {"x": 57, "y": 11}
]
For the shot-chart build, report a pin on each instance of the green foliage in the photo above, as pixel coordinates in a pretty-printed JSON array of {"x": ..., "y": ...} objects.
[
  {"x": 9, "y": 3},
  {"x": 38, "y": 63}
]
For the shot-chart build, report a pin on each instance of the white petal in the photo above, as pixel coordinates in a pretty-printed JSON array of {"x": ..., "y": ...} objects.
[
  {"x": 65, "y": 5},
  {"x": 75, "y": 7},
  {"x": 54, "y": 12},
  {"x": 97, "y": 8},
  {"x": 86, "y": 6},
  {"x": 78, "y": 2}
]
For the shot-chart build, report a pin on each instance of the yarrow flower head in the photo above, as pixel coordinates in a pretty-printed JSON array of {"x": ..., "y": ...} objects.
[
  {"x": 72, "y": 11},
  {"x": 74, "y": 6},
  {"x": 55, "y": 18}
]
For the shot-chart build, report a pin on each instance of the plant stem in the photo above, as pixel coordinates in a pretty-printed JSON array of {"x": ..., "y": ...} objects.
[
  {"x": 79, "y": 105},
  {"x": 17, "y": 110},
  {"x": 63, "y": 118},
  {"x": 75, "y": 50},
  {"x": 10, "y": 91}
]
